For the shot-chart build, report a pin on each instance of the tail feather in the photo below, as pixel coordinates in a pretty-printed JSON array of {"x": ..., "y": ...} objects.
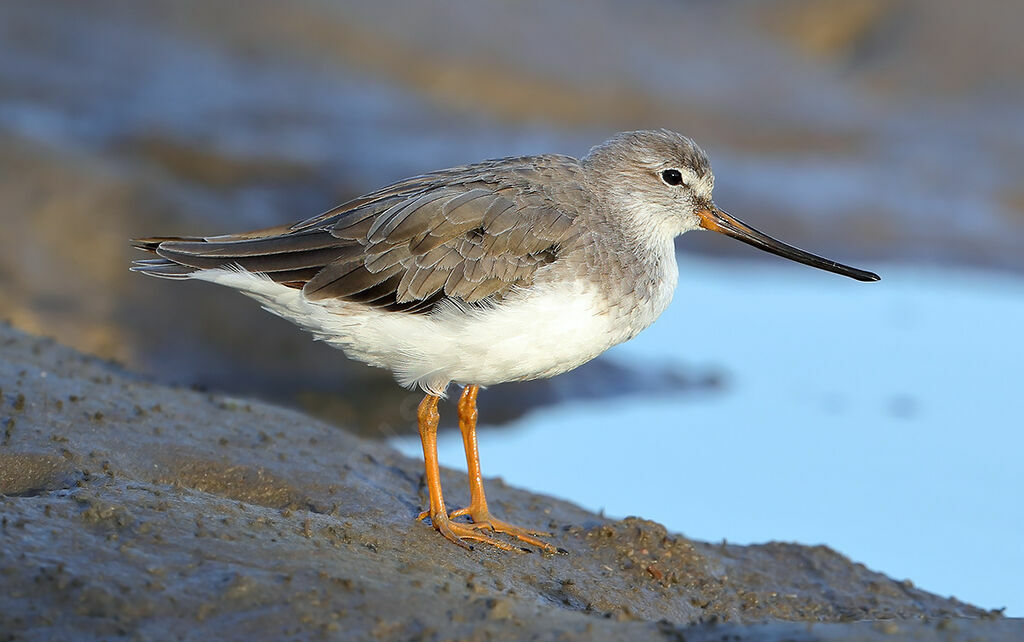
[
  {"x": 291, "y": 259},
  {"x": 150, "y": 244},
  {"x": 215, "y": 255},
  {"x": 162, "y": 268}
]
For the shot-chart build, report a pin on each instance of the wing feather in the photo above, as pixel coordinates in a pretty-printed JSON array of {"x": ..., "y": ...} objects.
[{"x": 470, "y": 233}]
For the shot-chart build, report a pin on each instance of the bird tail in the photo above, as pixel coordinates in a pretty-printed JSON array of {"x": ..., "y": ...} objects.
[
  {"x": 290, "y": 258},
  {"x": 161, "y": 267}
]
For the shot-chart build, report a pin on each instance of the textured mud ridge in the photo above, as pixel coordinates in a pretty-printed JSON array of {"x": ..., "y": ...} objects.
[{"x": 132, "y": 509}]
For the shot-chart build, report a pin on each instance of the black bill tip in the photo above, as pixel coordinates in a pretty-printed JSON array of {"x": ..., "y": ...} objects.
[{"x": 716, "y": 220}]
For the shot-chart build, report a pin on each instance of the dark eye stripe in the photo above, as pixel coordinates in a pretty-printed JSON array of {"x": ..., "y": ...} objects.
[{"x": 672, "y": 176}]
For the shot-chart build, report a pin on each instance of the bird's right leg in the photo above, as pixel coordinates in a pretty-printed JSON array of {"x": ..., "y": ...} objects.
[
  {"x": 427, "y": 418},
  {"x": 478, "y": 510}
]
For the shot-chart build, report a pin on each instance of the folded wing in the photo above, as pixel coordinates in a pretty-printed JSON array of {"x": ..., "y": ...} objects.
[{"x": 470, "y": 233}]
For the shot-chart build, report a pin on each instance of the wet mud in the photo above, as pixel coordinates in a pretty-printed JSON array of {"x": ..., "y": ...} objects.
[{"x": 132, "y": 509}]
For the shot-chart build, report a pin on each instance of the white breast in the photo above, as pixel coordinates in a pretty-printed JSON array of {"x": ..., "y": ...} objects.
[{"x": 540, "y": 332}]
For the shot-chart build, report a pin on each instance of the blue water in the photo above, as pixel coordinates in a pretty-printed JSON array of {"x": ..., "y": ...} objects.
[{"x": 883, "y": 420}]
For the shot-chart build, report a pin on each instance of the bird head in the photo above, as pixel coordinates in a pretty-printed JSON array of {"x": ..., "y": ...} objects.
[{"x": 665, "y": 180}]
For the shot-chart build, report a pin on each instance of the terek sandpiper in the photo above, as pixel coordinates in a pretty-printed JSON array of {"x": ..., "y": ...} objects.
[{"x": 504, "y": 270}]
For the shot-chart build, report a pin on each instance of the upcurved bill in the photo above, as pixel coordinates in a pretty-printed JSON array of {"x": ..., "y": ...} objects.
[{"x": 716, "y": 220}]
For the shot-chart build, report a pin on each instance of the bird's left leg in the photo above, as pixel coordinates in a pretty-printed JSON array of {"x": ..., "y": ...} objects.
[{"x": 477, "y": 509}]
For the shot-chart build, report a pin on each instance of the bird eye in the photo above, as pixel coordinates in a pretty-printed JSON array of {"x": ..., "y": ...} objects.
[{"x": 672, "y": 177}]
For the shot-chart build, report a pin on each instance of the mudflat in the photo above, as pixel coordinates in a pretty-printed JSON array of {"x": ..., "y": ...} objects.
[{"x": 129, "y": 508}]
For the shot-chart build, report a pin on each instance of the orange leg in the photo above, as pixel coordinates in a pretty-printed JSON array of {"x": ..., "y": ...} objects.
[
  {"x": 477, "y": 509},
  {"x": 428, "y": 417}
]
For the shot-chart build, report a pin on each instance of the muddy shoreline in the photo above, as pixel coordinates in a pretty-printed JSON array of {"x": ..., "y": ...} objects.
[{"x": 134, "y": 509}]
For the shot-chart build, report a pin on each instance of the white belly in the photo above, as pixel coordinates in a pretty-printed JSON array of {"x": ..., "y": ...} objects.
[{"x": 538, "y": 333}]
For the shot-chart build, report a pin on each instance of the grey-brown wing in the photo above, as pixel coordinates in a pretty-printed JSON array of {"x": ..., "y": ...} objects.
[{"x": 468, "y": 233}]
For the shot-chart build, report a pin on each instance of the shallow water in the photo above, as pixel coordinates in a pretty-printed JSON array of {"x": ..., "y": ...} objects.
[{"x": 880, "y": 419}]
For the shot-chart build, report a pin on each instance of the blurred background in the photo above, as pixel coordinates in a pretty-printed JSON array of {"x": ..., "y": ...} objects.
[{"x": 884, "y": 419}]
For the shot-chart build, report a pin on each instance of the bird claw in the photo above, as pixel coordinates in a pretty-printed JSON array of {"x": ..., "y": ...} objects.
[
  {"x": 460, "y": 534},
  {"x": 484, "y": 520}
]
